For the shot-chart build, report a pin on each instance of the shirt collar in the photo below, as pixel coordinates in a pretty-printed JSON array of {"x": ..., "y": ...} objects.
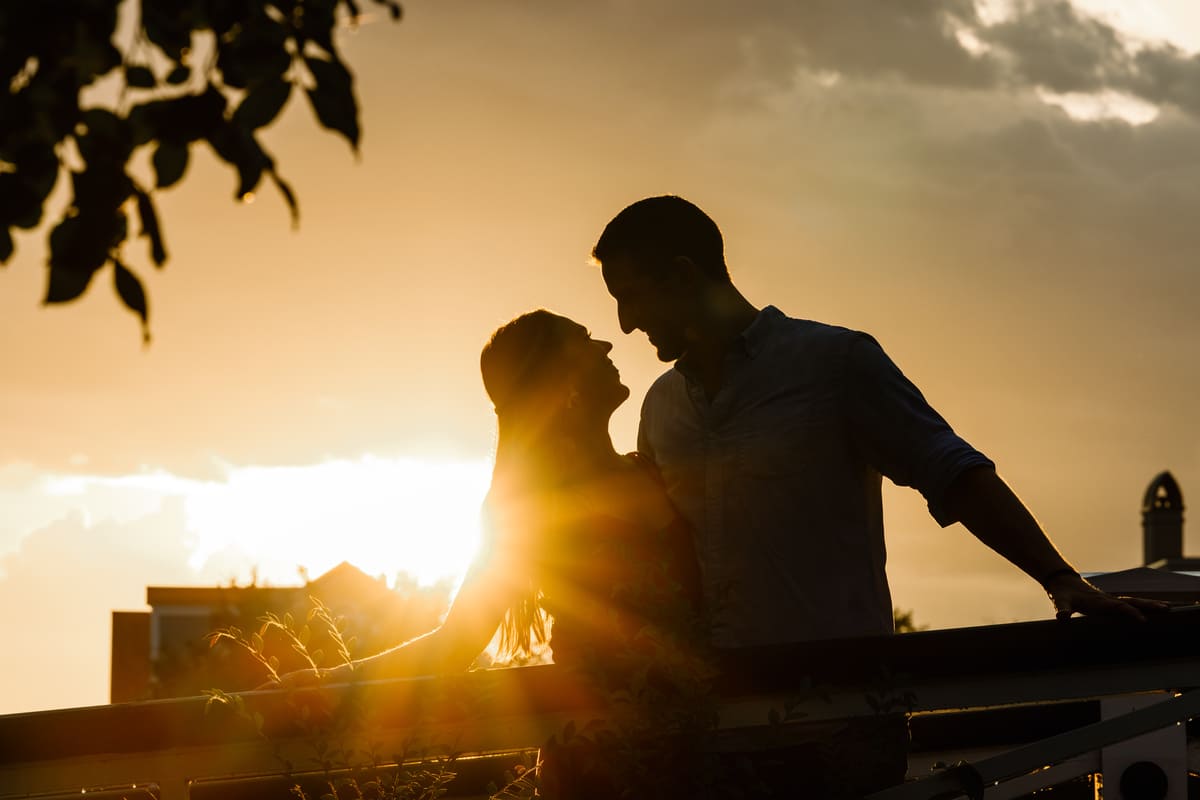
[
  {"x": 757, "y": 333},
  {"x": 749, "y": 342}
]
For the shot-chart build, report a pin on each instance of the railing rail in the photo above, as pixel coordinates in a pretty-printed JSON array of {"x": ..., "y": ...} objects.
[
  {"x": 973, "y": 779},
  {"x": 938, "y": 675}
]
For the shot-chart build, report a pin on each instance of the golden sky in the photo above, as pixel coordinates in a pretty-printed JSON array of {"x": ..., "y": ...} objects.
[{"x": 1005, "y": 195}]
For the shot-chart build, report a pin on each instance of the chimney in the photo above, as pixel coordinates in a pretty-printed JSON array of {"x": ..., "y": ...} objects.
[{"x": 1162, "y": 520}]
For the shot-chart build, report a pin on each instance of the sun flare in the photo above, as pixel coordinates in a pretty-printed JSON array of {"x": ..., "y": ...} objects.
[{"x": 385, "y": 516}]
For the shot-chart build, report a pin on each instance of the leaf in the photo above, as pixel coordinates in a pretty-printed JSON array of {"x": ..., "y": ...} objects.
[
  {"x": 129, "y": 289},
  {"x": 394, "y": 9},
  {"x": 289, "y": 197},
  {"x": 92, "y": 51},
  {"x": 239, "y": 148},
  {"x": 169, "y": 25},
  {"x": 101, "y": 188},
  {"x": 253, "y": 50},
  {"x": 108, "y": 139},
  {"x": 262, "y": 103},
  {"x": 150, "y": 228},
  {"x": 140, "y": 77},
  {"x": 333, "y": 98},
  {"x": 170, "y": 162},
  {"x": 19, "y": 204},
  {"x": 80, "y": 245},
  {"x": 66, "y": 284},
  {"x": 38, "y": 170},
  {"x": 181, "y": 119}
]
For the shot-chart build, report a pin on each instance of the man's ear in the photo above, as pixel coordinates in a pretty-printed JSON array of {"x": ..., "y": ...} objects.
[{"x": 685, "y": 271}]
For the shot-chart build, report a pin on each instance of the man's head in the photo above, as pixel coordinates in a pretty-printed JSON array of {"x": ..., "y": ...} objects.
[{"x": 659, "y": 258}]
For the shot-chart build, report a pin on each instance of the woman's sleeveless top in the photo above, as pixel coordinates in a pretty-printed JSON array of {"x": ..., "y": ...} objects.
[{"x": 619, "y": 589}]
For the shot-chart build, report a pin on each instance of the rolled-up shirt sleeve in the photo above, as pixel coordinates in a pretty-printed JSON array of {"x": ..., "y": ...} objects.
[{"x": 899, "y": 433}]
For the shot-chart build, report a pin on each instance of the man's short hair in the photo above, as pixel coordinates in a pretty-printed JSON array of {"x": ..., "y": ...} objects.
[{"x": 653, "y": 231}]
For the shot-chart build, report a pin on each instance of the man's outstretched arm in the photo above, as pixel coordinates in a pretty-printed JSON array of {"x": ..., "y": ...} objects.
[{"x": 990, "y": 510}]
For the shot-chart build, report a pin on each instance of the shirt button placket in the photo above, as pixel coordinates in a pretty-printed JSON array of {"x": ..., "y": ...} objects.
[{"x": 714, "y": 465}]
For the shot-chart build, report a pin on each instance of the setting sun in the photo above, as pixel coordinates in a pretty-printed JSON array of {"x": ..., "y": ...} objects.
[{"x": 386, "y": 516}]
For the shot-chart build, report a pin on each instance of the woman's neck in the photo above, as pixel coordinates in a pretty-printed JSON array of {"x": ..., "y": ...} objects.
[{"x": 587, "y": 452}]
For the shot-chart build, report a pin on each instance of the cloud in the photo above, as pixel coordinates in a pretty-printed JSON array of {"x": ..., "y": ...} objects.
[
  {"x": 1167, "y": 75},
  {"x": 58, "y": 591},
  {"x": 1053, "y": 45},
  {"x": 917, "y": 42},
  {"x": 720, "y": 52}
]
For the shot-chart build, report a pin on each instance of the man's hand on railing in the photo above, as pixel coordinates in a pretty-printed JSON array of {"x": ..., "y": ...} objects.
[{"x": 1072, "y": 594}]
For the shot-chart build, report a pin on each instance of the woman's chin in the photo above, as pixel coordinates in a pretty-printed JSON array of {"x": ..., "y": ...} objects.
[{"x": 622, "y": 395}]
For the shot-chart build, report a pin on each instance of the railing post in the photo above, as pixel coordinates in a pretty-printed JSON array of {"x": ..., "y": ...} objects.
[{"x": 1151, "y": 765}]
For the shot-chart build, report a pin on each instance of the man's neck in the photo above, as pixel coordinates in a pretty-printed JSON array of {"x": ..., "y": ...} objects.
[{"x": 727, "y": 314}]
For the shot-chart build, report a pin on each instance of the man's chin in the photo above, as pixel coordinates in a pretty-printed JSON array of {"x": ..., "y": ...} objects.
[{"x": 667, "y": 354}]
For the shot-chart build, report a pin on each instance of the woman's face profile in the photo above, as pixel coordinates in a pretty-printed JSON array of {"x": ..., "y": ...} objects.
[{"x": 589, "y": 371}]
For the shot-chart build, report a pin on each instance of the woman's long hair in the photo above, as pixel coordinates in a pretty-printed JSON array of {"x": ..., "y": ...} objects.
[{"x": 526, "y": 378}]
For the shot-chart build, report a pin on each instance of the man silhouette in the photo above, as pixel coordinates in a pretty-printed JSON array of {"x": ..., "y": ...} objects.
[{"x": 772, "y": 435}]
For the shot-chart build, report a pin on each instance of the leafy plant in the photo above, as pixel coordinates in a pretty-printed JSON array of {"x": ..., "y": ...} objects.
[
  {"x": 345, "y": 758},
  {"x": 903, "y": 621},
  {"x": 194, "y": 71},
  {"x": 255, "y": 644},
  {"x": 520, "y": 783}
]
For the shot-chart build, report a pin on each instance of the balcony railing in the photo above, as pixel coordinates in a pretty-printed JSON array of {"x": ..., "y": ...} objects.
[{"x": 1007, "y": 709}]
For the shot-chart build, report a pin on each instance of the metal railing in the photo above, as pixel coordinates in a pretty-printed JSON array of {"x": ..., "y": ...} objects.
[{"x": 1022, "y": 701}]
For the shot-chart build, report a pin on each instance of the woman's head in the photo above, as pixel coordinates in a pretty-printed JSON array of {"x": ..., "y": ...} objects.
[
  {"x": 545, "y": 368},
  {"x": 554, "y": 389}
]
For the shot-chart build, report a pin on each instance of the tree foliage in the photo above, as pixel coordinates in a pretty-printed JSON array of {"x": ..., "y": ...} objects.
[
  {"x": 82, "y": 100},
  {"x": 904, "y": 622}
]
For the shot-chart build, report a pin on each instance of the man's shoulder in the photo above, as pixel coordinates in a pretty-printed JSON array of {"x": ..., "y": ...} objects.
[
  {"x": 812, "y": 335},
  {"x": 670, "y": 380}
]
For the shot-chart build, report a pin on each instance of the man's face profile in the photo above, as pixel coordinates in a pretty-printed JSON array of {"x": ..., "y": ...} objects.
[{"x": 646, "y": 302}]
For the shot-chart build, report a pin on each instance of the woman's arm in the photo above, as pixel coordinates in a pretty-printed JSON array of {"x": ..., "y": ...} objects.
[{"x": 469, "y": 625}]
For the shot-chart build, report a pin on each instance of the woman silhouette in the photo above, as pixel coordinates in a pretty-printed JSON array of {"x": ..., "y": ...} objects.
[{"x": 574, "y": 530}]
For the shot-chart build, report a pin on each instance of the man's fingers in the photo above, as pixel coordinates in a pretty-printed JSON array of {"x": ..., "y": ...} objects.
[
  {"x": 1131, "y": 611},
  {"x": 1109, "y": 605},
  {"x": 1145, "y": 604},
  {"x": 1099, "y": 603}
]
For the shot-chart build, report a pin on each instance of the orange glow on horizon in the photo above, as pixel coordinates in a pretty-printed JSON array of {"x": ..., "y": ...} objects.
[{"x": 385, "y": 516}]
